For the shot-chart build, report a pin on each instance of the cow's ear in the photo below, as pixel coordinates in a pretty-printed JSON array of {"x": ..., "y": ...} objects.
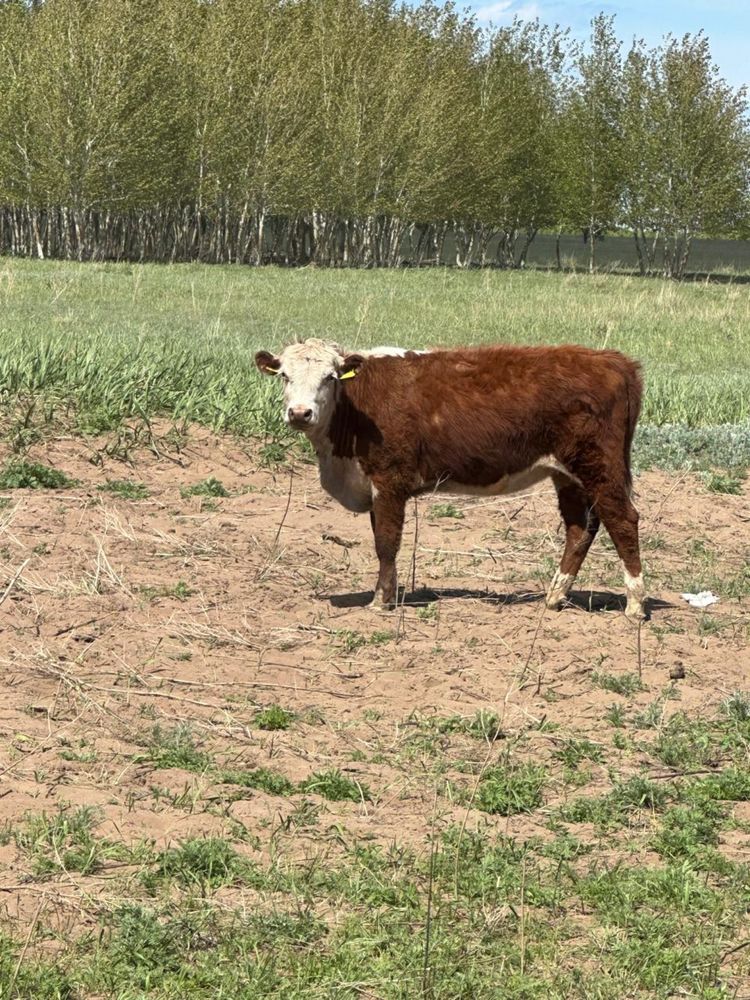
[
  {"x": 267, "y": 363},
  {"x": 350, "y": 365}
]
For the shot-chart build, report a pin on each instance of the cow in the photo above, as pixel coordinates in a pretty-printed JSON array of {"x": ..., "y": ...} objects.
[{"x": 390, "y": 424}]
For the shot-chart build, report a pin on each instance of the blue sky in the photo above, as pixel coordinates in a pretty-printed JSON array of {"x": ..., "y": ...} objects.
[{"x": 725, "y": 22}]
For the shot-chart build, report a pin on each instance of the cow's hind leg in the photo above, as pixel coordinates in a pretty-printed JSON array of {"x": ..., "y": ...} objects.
[
  {"x": 620, "y": 518},
  {"x": 387, "y": 520},
  {"x": 581, "y": 526}
]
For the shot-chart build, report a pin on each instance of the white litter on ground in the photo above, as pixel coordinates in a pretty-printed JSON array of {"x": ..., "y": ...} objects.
[{"x": 701, "y": 600}]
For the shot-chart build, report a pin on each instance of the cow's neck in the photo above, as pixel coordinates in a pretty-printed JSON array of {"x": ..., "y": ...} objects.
[{"x": 341, "y": 476}]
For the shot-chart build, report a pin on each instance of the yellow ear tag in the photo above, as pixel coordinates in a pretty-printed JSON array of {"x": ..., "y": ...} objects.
[{"x": 349, "y": 374}]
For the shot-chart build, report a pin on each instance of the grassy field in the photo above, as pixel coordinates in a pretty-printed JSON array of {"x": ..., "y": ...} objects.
[
  {"x": 223, "y": 777},
  {"x": 98, "y": 343}
]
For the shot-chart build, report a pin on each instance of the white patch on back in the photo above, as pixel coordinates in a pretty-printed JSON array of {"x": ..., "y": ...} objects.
[
  {"x": 390, "y": 352},
  {"x": 513, "y": 483}
]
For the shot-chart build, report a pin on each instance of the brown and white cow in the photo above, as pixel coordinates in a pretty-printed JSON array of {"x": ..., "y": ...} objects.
[{"x": 388, "y": 425}]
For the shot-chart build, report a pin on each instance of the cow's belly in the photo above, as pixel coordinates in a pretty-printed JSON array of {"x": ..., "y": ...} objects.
[
  {"x": 515, "y": 482},
  {"x": 344, "y": 480}
]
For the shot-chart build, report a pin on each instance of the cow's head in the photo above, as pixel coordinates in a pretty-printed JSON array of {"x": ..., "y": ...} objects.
[{"x": 309, "y": 372}]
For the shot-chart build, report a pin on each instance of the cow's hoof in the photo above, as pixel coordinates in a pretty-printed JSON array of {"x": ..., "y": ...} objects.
[
  {"x": 558, "y": 590},
  {"x": 635, "y": 613},
  {"x": 378, "y": 604}
]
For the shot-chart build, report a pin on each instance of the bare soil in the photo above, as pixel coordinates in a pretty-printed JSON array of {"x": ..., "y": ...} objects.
[{"x": 119, "y": 616}]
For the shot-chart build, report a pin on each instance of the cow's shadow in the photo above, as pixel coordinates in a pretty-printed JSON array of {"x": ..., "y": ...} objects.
[{"x": 591, "y": 601}]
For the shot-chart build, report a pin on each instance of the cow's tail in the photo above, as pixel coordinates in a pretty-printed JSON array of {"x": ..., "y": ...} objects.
[{"x": 634, "y": 390}]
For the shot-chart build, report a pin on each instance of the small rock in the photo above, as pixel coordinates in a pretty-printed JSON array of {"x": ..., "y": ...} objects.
[{"x": 677, "y": 672}]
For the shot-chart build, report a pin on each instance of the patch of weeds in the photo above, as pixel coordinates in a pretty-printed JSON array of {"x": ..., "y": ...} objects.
[
  {"x": 661, "y": 927},
  {"x": 273, "y": 453},
  {"x": 274, "y": 717},
  {"x": 684, "y": 743},
  {"x": 651, "y": 716},
  {"x": 34, "y": 476},
  {"x": 730, "y": 785},
  {"x": 126, "y": 489},
  {"x": 142, "y": 950},
  {"x": 724, "y": 482},
  {"x": 687, "y": 829},
  {"x": 31, "y": 979},
  {"x": 81, "y": 756},
  {"x": 176, "y": 748},
  {"x": 624, "y": 684},
  {"x": 612, "y": 809},
  {"x": 483, "y": 725},
  {"x": 210, "y": 487},
  {"x": 507, "y": 789},
  {"x": 303, "y": 816},
  {"x": 180, "y": 591},
  {"x": 565, "y": 847},
  {"x": 349, "y": 640},
  {"x": 573, "y": 752},
  {"x": 445, "y": 510},
  {"x": 381, "y": 637},
  {"x": 64, "y": 841},
  {"x": 737, "y": 707},
  {"x": 263, "y": 779},
  {"x": 615, "y": 715},
  {"x": 204, "y": 862},
  {"x": 620, "y": 741},
  {"x": 428, "y": 613},
  {"x": 336, "y": 786}
]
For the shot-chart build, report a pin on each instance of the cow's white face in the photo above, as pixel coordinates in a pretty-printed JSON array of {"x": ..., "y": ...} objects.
[{"x": 309, "y": 372}]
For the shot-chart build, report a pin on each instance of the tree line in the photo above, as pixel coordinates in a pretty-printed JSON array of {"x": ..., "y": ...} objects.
[{"x": 354, "y": 133}]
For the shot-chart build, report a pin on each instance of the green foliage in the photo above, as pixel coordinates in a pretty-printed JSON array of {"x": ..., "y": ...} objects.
[
  {"x": 573, "y": 752},
  {"x": 335, "y": 786},
  {"x": 63, "y": 842},
  {"x": 718, "y": 482},
  {"x": 202, "y": 862},
  {"x": 126, "y": 489},
  {"x": 445, "y": 510},
  {"x": 351, "y": 133},
  {"x": 274, "y": 717},
  {"x": 176, "y": 748},
  {"x": 613, "y": 809},
  {"x": 624, "y": 684},
  {"x": 507, "y": 789},
  {"x": 210, "y": 487},
  {"x": 262, "y": 778},
  {"x": 18, "y": 475}
]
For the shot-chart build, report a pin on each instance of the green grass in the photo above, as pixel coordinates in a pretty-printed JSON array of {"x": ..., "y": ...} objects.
[
  {"x": 176, "y": 748},
  {"x": 274, "y": 717},
  {"x": 125, "y": 489},
  {"x": 100, "y": 343},
  {"x": 210, "y": 487},
  {"x": 445, "y": 510},
  {"x": 18, "y": 475},
  {"x": 507, "y": 789},
  {"x": 336, "y": 786},
  {"x": 624, "y": 684}
]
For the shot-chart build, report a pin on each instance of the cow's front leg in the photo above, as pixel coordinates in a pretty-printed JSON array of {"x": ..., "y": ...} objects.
[{"x": 387, "y": 519}]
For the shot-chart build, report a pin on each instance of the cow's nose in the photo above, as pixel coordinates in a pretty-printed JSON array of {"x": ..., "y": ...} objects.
[{"x": 300, "y": 415}]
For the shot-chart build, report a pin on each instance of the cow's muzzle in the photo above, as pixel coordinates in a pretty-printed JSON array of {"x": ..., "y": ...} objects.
[{"x": 299, "y": 416}]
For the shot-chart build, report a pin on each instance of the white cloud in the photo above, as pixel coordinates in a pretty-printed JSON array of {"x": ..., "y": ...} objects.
[{"x": 504, "y": 12}]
